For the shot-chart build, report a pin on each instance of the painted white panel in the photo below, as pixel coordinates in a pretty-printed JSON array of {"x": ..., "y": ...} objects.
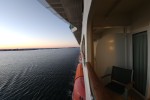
[
  {"x": 87, "y": 4},
  {"x": 110, "y": 52}
]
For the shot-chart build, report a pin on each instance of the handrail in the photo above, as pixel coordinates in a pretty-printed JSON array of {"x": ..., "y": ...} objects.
[
  {"x": 86, "y": 82},
  {"x": 106, "y": 76},
  {"x": 100, "y": 92}
]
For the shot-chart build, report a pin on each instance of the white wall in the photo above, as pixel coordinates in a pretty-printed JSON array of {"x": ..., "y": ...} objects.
[
  {"x": 110, "y": 51},
  {"x": 85, "y": 29},
  {"x": 87, "y": 4},
  {"x": 95, "y": 47}
]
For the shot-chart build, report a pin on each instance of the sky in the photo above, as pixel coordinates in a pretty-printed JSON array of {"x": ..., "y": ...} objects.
[{"x": 28, "y": 24}]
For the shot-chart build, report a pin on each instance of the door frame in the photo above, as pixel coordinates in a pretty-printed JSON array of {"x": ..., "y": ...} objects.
[
  {"x": 146, "y": 59},
  {"x": 138, "y": 30}
]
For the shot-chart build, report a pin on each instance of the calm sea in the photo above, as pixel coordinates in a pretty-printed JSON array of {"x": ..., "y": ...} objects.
[{"x": 38, "y": 74}]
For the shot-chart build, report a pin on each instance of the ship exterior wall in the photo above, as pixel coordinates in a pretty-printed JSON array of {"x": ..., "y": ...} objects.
[{"x": 86, "y": 35}]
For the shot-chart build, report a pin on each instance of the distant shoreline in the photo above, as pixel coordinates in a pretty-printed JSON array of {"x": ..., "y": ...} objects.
[
  {"x": 16, "y": 49},
  {"x": 32, "y": 49}
]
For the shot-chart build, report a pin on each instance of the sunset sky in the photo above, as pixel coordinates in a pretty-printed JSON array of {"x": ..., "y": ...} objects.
[{"x": 28, "y": 24}]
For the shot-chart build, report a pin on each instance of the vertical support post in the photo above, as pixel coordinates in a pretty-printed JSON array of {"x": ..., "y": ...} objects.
[
  {"x": 125, "y": 35},
  {"x": 90, "y": 48}
]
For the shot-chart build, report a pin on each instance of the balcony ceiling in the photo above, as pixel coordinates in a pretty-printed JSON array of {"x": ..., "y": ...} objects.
[
  {"x": 71, "y": 11},
  {"x": 114, "y": 13}
]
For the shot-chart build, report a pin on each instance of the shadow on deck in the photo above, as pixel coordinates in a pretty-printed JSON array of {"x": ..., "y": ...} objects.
[{"x": 132, "y": 96}]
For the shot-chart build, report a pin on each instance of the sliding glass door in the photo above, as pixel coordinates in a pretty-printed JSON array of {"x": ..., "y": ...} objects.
[{"x": 140, "y": 61}]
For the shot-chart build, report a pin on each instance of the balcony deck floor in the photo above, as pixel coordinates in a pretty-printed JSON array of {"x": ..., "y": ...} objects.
[{"x": 132, "y": 96}]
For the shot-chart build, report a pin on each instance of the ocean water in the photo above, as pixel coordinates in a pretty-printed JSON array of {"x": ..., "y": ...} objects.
[{"x": 46, "y": 74}]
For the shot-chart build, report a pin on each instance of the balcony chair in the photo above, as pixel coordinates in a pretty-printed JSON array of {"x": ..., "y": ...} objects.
[{"x": 120, "y": 81}]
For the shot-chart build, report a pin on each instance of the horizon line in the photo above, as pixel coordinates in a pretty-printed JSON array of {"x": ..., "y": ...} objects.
[{"x": 39, "y": 48}]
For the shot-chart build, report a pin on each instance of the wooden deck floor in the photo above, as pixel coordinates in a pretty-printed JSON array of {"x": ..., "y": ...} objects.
[
  {"x": 101, "y": 93},
  {"x": 132, "y": 96}
]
